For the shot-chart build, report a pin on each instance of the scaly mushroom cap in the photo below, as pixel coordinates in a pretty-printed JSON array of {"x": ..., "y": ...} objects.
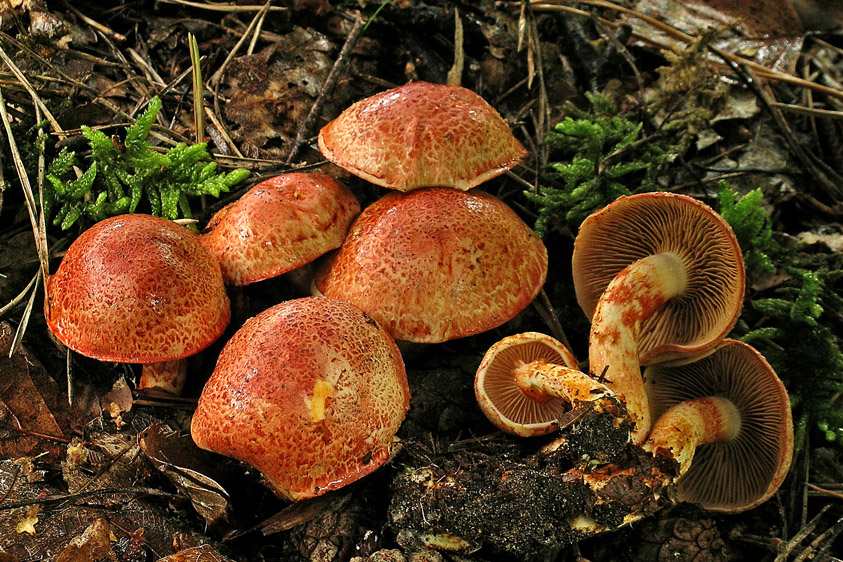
[
  {"x": 739, "y": 473},
  {"x": 279, "y": 225},
  {"x": 437, "y": 264},
  {"x": 422, "y": 135},
  {"x": 650, "y": 223},
  {"x": 500, "y": 398},
  {"x": 310, "y": 392},
  {"x": 137, "y": 289}
]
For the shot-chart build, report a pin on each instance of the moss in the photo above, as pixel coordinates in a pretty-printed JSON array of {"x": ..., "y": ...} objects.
[{"x": 121, "y": 175}]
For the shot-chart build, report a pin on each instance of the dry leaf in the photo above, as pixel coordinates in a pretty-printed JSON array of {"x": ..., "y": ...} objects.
[
  {"x": 768, "y": 31},
  {"x": 28, "y": 398},
  {"x": 204, "y": 553},
  {"x": 180, "y": 460},
  {"x": 93, "y": 544}
]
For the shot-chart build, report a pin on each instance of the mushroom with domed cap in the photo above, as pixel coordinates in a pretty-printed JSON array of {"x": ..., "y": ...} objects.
[
  {"x": 310, "y": 392},
  {"x": 661, "y": 276},
  {"x": 422, "y": 135},
  {"x": 279, "y": 225},
  {"x": 436, "y": 264},
  {"x": 138, "y": 289}
]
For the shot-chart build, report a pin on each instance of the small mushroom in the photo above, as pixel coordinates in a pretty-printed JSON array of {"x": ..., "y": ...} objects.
[
  {"x": 422, "y": 135},
  {"x": 436, "y": 264},
  {"x": 309, "y": 392},
  {"x": 662, "y": 276},
  {"x": 138, "y": 289},
  {"x": 726, "y": 420},
  {"x": 526, "y": 382},
  {"x": 280, "y": 224}
]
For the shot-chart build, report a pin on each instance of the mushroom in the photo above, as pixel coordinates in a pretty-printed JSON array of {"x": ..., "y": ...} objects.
[
  {"x": 526, "y": 382},
  {"x": 726, "y": 420},
  {"x": 309, "y": 392},
  {"x": 422, "y": 135},
  {"x": 138, "y": 289},
  {"x": 662, "y": 276},
  {"x": 436, "y": 264},
  {"x": 279, "y": 225}
]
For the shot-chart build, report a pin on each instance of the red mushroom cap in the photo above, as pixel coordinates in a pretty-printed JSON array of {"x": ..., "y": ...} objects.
[
  {"x": 422, "y": 135},
  {"x": 279, "y": 225},
  {"x": 137, "y": 289},
  {"x": 310, "y": 392},
  {"x": 437, "y": 264}
]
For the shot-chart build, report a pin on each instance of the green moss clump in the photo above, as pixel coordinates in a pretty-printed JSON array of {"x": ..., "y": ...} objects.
[
  {"x": 794, "y": 326},
  {"x": 120, "y": 177}
]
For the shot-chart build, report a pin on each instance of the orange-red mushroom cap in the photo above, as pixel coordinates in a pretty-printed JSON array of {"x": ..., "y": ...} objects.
[
  {"x": 437, "y": 264},
  {"x": 642, "y": 225},
  {"x": 310, "y": 392},
  {"x": 137, "y": 289},
  {"x": 280, "y": 224},
  {"x": 422, "y": 135}
]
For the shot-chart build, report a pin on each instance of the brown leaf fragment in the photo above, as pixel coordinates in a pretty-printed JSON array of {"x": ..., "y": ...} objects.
[
  {"x": 204, "y": 553},
  {"x": 93, "y": 544},
  {"x": 766, "y": 31},
  {"x": 181, "y": 461},
  {"x": 27, "y": 398}
]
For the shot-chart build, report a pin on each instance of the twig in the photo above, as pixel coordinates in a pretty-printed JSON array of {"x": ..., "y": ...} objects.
[
  {"x": 79, "y": 495},
  {"x": 24, "y": 321},
  {"x": 29, "y": 433},
  {"x": 221, "y": 7},
  {"x": 328, "y": 87},
  {"x": 8, "y": 306},
  {"x": 40, "y": 237},
  {"x": 93, "y": 23},
  {"x": 25, "y": 83},
  {"x": 198, "y": 89},
  {"x": 548, "y": 314}
]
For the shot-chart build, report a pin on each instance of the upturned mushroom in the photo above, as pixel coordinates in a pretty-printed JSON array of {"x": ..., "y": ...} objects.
[
  {"x": 436, "y": 264},
  {"x": 422, "y": 135},
  {"x": 309, "y": 392},
  {"x": 279, "y": 225},
  {"x": 527, "y": 382},
  {"x": 726, "y": 420},
  {"x": 661, "y": 276},
  {"x": 138, "y": 289}
]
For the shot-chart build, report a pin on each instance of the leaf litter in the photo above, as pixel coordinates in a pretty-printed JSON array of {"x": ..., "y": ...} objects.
[{"x": 115, "y": 476}]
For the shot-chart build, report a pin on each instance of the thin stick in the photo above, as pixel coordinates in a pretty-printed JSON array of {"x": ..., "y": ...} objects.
[
  {"x": 331, "y": 81},
  {"x": 24, "y": 322},
  {"x": 8, "y": 306},
  {"x": 25, "y": 83},
  {"x": 198, "y": 89},
  {"x": 79, "y": 495},
  {"x": 40, "y": 241},
  {"x": 221, "y": 7}
]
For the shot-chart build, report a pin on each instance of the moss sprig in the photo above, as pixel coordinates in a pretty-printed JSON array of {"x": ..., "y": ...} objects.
[
  {"x": 122, "y": 176},
  {"x": 599, "y": 156},
  {"x": 795, "y": 325}
]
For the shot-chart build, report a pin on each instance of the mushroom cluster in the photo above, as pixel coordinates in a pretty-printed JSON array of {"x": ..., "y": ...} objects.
[
  {"x": 434, "y": 260},
  {"x": 321, "y": 377},
  {"x": 662, "y": 278}
]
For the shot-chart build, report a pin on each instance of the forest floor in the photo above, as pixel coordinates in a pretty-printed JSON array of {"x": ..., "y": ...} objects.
[{"x": 750, "y": 95}]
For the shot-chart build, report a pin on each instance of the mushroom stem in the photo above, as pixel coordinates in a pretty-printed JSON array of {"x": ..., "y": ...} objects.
[
  {"x": 634, "y": 294},
  {"x": 687, "y": 425},
  {"x": 169, "y": 376},
  {"x": 541, "y": 381}
]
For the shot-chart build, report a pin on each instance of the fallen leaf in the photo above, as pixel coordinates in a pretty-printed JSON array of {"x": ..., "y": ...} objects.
[
  {"x": 767, "y": 31},
  {"x": 28, "y": 398},
  {"x": 204, "y": 553},
  {"x": 180, "y": 460},
  {"x": 93, "y": 544}
]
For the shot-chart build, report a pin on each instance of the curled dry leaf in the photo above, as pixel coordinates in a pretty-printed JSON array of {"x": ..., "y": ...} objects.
[
  {"x": 204, "y": 553},
  {"x": 93, "y": 544},
  {"x": 768, "y": 32},
  {"x": 179, "y": 459},
  {"x": 29, "y": 398}
]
